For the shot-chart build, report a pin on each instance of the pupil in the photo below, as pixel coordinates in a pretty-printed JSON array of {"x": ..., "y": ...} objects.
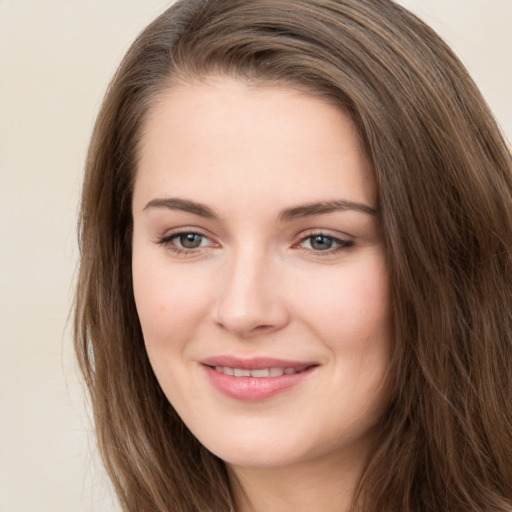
[
  {"x": 190, "y": 240},
  {"x": 321, "y": 243}
]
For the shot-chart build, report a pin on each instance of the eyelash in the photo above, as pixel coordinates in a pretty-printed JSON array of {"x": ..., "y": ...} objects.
[
  {"x": 339, "y": 244},
  {"x": 167, "y": 242}
]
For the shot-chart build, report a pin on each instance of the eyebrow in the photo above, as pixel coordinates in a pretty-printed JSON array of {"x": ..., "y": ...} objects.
[
  {"x": 322, "y": 207},
  {"x": 289, "y": 214},
  {"x": 185, "y": 205}
]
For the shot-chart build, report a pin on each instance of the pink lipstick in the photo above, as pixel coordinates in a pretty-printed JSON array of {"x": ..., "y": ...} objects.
[{"x": 256, "y": 378}]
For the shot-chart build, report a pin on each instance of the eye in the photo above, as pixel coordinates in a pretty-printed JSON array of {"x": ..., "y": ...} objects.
[
  {"x": 185, "y": 242},
  {"x": 189, "y": 240},
  {"x": 322, "y": 243}
]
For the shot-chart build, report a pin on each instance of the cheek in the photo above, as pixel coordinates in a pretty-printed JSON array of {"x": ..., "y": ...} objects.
[
  {"x": 350, "y": 315},
  {"x": 350, "y": 308},
  {"x": 170, "y": 306},
  {"x": 171, "y": 309}
]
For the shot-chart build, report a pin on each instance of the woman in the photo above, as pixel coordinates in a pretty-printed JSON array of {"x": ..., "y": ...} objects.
[{"x": 296, "y": 251}]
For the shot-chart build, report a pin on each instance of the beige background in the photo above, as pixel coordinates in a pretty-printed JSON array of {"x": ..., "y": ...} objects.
[{"x": 56, "y": 58}]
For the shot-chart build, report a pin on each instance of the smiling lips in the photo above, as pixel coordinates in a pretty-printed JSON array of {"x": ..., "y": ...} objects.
[
  {"x": 254, "y": 379},
  {"x": 264, "y": 372}
]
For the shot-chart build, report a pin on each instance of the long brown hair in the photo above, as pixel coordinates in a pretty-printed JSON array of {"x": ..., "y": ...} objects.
[{"x": 444, "y": 180}]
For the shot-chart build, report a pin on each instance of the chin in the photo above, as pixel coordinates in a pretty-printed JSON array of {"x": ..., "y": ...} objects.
[
  {"x": 265, "y": 449},
  {"x": 258, "y": 457}
]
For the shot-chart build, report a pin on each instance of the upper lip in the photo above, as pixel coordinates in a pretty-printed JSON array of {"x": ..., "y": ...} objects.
[{"x": 255, "y": 363}]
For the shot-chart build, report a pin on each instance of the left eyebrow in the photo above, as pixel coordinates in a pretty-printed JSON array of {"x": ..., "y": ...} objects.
[{"x": 311, "y": 209}]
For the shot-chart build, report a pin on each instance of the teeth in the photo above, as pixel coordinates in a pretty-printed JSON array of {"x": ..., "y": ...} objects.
[
  {"x": 260, "y": 373},
  {"x": 263, "y": 372}
]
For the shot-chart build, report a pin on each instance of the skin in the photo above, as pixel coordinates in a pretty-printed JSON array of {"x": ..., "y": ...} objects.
[{"x": 259, "y": 285}]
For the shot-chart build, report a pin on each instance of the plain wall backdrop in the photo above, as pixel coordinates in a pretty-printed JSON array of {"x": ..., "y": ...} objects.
[{"x": 56, "y": 58}]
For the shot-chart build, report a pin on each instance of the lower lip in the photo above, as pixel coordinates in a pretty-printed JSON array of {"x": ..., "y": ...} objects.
[{"x": 253, "y": 388}]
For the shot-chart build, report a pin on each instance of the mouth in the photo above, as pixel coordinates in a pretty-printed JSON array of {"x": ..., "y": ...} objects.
[
  {"x": 257, "y": 378},
  {"x": 260, "y": 373}
]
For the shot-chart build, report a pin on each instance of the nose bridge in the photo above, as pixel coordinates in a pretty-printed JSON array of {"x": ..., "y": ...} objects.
[{"x": 249, "y": 300}]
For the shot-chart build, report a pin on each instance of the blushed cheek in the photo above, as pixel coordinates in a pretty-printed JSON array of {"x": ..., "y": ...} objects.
[
  {"x": 152, "y": 302},
  {"x": 352, "y": 313},
  {"x": 170, "y": 309}
]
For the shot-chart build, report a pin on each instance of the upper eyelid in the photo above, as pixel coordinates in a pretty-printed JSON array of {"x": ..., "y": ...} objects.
[
  {"x": 342, "y": 241},
  {"x": 183, "y": 231},
  {"x": 300, "y": 237},
  {"x": 168, "y": 242},
  {"x": 168, "y": 238},
  {"x": 324, "y": 232},
  {"x": 338, "y": 240}
]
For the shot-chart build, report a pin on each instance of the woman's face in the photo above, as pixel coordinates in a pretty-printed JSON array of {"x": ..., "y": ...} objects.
[{"x": 259, "y": 272}]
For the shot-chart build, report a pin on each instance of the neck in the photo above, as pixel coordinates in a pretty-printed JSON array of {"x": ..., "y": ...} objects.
[{"x": 317, "y": 485}]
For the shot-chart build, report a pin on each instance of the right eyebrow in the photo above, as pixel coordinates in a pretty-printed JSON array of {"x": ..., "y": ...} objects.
[{"x": 185, "y": 205}]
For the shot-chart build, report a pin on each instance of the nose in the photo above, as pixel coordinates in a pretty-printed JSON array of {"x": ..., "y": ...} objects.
[{"x": 251, "y": 299}]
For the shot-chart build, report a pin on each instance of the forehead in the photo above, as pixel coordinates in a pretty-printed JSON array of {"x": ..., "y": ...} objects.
[{"x": 226, "y": 136}]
